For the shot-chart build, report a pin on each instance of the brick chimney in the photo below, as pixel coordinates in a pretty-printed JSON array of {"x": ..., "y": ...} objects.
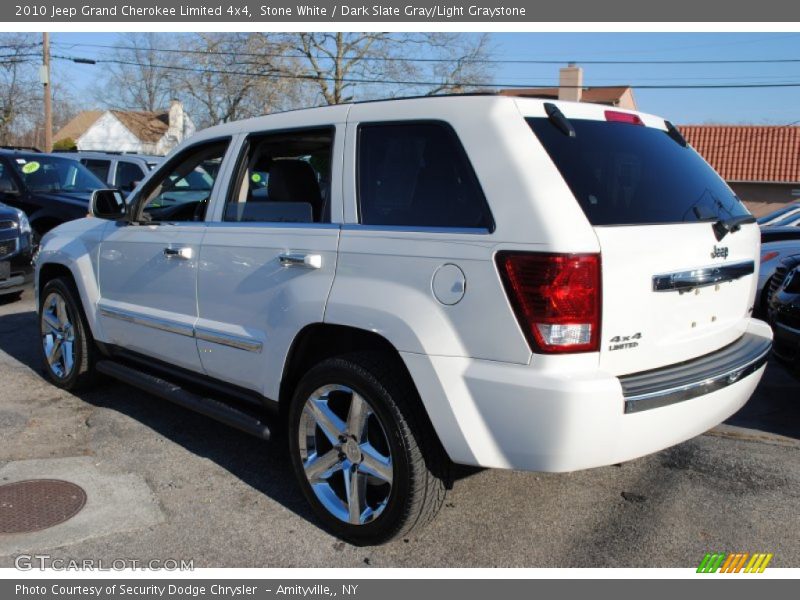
[
  {"x": 570, "y": 83},
  {"x": 177, "y": 121}
]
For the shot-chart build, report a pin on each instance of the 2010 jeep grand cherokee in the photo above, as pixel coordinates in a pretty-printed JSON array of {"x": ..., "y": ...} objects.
[{"x": 409, "y": 284}]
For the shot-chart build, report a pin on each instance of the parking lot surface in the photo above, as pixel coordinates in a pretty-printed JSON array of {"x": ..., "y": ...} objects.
[{"x": 164, "y": 483}]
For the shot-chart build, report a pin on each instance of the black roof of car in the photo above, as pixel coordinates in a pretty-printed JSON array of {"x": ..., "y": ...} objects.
[{"x": 777, "y": 234}]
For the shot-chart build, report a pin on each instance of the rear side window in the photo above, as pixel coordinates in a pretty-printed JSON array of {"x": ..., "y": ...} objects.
[
  {"x": 624, "y": 174},
  {"x": 414, "y": 174},
  {"x": 128, "y": 175},
  {"x": 98, "y": 167}
]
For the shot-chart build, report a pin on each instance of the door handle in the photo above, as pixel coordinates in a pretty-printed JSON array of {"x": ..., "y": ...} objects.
[
  {"x": 184, "y": 252},
  {"x": 309, "y": 261}
]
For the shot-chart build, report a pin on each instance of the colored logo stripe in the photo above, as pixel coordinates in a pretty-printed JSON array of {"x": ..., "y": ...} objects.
[{"x": 734, "y": 562}]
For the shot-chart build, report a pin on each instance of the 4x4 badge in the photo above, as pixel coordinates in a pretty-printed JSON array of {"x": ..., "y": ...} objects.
[{"x": 720, "y": 252}]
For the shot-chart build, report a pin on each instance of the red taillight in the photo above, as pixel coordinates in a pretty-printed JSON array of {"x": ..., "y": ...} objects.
[
  {"x": 623, "y": 117},
  {"x": 768, "y": 256},
  {"x": 556, "y": 298}
]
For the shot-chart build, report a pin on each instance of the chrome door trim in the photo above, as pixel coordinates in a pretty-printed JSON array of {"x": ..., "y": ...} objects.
[
  {"x": 170, "y": 326},
  {"x": 682, "y": 281},
  {"x": 147, "y": 321},
  {"x": 226, "y": 339}
]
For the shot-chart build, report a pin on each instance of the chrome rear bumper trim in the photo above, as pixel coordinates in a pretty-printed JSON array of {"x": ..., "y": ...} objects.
[
  {"x": 697, "y": 377},
  {"x": 683, "y": 281}
]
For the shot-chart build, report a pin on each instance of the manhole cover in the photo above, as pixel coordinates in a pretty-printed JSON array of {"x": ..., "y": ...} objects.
[{"x": 37, "y": 504}]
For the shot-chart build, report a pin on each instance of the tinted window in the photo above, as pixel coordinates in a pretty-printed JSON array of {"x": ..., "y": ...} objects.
[
  {"x": 7, "y": 183},
  {"x": 623, "y": 174},
  {"x": 283, "y": 177},
  {"x": 417, "y": 175},
  {"x": 128, "y": 175},
  {"x": 98, "y": 167}
]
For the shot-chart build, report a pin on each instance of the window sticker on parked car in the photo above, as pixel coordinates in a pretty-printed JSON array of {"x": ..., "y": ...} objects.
[{"x": 31, "y": 167}]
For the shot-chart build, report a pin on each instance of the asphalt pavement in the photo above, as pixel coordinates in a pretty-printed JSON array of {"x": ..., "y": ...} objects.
[{"x": 164, "y": 483}]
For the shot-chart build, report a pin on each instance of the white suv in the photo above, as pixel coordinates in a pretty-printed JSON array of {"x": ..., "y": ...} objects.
[{"x": 408, "y": 284}]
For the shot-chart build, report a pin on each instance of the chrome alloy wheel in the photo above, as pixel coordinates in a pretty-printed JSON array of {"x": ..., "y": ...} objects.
[
  {"x": 346, "y": 454},
  {"x": 58, "y": 336}
]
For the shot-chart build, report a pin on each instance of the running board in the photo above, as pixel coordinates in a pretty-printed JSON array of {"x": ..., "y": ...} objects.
[{"x": 219, "y": 411}]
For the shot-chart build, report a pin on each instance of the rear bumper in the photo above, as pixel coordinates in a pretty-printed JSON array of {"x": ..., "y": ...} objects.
[{"x": 514, "y": 416}]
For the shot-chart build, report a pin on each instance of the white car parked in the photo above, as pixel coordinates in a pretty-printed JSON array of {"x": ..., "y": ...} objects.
[{"x": 407, "y": 284}]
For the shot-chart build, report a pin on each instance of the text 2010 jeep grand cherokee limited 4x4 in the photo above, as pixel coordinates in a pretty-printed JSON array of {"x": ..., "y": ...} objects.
[{"x": 408, "y": 284}]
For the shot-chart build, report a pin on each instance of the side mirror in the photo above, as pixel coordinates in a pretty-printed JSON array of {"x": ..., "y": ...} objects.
[{"x": 108, "y": 204}]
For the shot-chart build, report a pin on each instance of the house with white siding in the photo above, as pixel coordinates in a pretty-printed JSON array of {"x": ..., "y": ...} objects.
[{"x": 128, "y": 131}]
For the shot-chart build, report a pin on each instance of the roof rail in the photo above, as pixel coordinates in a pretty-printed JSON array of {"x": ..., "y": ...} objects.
[{"x": 23, "y": 148}]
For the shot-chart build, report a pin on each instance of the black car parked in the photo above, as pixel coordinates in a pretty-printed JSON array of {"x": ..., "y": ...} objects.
[
  {"x": 16, "y": 268},
  {"x": 784, "y": 314},
  {"x": 50, "y": 189}
]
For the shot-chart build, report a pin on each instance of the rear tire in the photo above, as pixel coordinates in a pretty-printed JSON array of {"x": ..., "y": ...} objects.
[
  {"x": 362, "y": 452},
  {"x": 66, "y": 345}
]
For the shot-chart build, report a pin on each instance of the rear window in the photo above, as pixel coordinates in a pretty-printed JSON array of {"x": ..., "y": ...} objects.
[{"x": 623, "y": 174}]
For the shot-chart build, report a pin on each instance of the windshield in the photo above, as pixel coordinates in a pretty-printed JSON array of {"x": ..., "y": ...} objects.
[
  {"x": 43, "y": 174},
  {"x": 623, "y": 174}
]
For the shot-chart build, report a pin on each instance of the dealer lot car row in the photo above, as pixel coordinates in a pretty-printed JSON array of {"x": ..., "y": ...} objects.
[{"x": 407, "y": 284}]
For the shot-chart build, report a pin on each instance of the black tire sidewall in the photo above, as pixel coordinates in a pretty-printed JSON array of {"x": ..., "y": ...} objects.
[
  {"x": 344, "y": 372},
  {"x": 80, "y": 344}
]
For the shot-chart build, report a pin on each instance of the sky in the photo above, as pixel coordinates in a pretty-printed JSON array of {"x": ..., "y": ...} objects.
[{"x": 778, "y": 106}]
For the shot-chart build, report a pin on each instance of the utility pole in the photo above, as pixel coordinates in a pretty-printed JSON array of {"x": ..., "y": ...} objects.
[{"x": 48, "y": 101}]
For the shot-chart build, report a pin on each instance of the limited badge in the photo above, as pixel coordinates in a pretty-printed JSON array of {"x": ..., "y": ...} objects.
[{"x": 31, "y": 167}]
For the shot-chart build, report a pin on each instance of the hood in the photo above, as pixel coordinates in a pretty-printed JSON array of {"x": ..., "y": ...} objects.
[
  {"x": 7, "y": 213},
  {"x": 80, "y": 199}
]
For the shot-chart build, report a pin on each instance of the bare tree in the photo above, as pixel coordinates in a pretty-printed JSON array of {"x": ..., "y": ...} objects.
[
  {"x": 235, "y": 76},
  {"x": 138, "y": 79},
  {"x": 341, "y": 64},
  {"x": 20, "y": 93}
]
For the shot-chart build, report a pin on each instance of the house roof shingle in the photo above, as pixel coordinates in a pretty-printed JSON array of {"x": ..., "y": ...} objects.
[
  {"x": 147, "y": 126},
  {"x": 78, "y": 125},
  {"x": 768, "y": 153}
]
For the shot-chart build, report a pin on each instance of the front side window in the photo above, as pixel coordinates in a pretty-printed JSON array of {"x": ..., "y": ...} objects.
[
  {"x": 7, "y": 183},
  {"x": 417, "y": 175},
  {"x": 283, "y": 178},
  {"x": 181, "y": 191}
]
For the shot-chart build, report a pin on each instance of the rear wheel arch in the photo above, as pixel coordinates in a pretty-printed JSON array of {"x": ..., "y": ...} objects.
[{"x": 320, "y": 341}]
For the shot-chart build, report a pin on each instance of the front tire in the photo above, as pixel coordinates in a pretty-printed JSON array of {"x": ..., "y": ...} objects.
[
  {"x": 356, "y": 439},
  {"x": 67, "y": 347}
]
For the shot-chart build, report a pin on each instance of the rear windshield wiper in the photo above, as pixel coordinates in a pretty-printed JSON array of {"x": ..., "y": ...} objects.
[
  {"x": 557, "y": 118},
  {"x": 725, "y": 226}
]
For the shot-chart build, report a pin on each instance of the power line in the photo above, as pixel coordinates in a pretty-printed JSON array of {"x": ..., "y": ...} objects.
[
  {"x": 471, "y": 84},
  {"x": 441, "y": 60}
]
